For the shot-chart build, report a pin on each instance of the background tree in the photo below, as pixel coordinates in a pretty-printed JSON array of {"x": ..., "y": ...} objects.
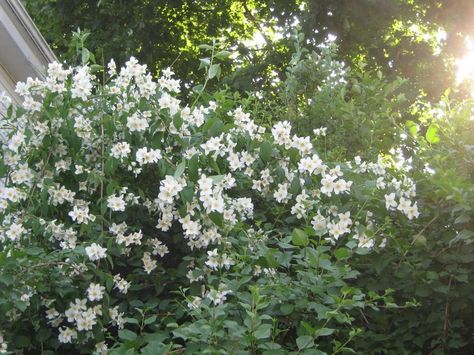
[{"x": 415, "y": 39}]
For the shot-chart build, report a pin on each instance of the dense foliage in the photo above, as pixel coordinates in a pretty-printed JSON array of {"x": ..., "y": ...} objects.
[
  {"x": 415, "y": 39},
  {"x": 146, "y": 216},
  {"x": 131, "y": 221}
]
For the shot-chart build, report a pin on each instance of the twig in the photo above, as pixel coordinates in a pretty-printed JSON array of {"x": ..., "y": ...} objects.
[
  {"x": 251, "y": 18},
  {"x": 57, "y": 263},
  {"x": 446, "y": 310},
  {"x": 41, "y": 176},
  {"x": 414, "y": 240}
]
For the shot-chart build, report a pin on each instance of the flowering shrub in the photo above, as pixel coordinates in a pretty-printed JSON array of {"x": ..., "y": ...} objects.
[{"x": 134, "y": 222}]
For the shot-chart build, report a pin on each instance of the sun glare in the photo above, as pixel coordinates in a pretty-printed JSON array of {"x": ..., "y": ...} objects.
[{"x": 465, "y": 65}]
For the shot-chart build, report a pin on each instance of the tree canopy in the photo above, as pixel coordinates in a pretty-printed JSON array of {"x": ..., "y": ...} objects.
[{"x": 415, "y": 39}]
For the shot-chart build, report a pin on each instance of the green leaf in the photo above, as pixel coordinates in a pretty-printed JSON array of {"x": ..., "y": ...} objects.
[
  {"x": 34, "y": 250},
  {"x": 324, "y": 332},
  {"x": 193, "y": 168},
  {"x": 3, "y": 167},
  {"x": 150, "y": 320},
  {"x": 6, "y": 279},
  {"x": 341, "y": 253},
  {"x": 109, "y": 283},
  {"x": 131, "y": 320},
  {"x": 263, "y": 331},
  {"x": 111, "y": 188},
  {"x": 187, "y": 194},
  {"x": 204, "y": 62},
  {"x": 155, "y": 347},
  {"x": 9, "y": 111},
  {"x": 295, "y": 186},
  {"x": 286, "y": 309},
  {"x": 109, "y": 126},
  {"x": 213, "y": 165},
  {"x": 177, "y": 121},
  {"x": 266, "y": 151},
  {"x": 222, "y": 54},
  {"x": 85, "y": 55},
  {"x": 214, "y": 70},
  {"x": 111, "y": 165},
  {"x": 304, "y": 342},
  {"x": 217, "y": 218},
  {"x": 103, "y": 208},
  {"x": 95, "y": 68},
  {"x": 412, "y": 128},
  {"x": 432, "y": 134},
  {"x": 299, "y": 238},
  {"x": 209, "y": 123},
  {"x": 216, "y": 129},
  {"x": 126, "y": 334},
  {"x": 156, "y": 140},
  {"x": 198, "y": 88},
  {"x": 270, "y": 258},
  {"x": 180, "y": 169},
  {"x": 206, "y": 47}
]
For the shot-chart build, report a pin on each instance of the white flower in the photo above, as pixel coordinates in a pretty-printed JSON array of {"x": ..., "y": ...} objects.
[
  {"x": 390, "y": 202},
  {"x": 95, "y": 292},
  {"x": 212, "y": 259},
  {"x": 143, "y": 156},
  {"x": 16, "y": 141},
  {"x": 320, "y": 131},
  {"x": 116, "y": 203},
  {"x": 5, "y": 99},
  {"x": 345, "y": 219},
  {"x": 364, "y": 241},
  {"x": 137, "y": 124},
  {"x": 216, "y": 261},
  {"x": 122, "y": 284},
  {"x": 15, "y": 231},
  {"x": 318, "y": 222},
  {"x": 52, "y": 313},
  {"x": 81, "y": 214},
  {"x": 86, "y": 320},
  {"x": 195, "y": 303},
  {"x": 218, "y": 296},
  {"x": 148, "y": 263},
  {"x": 169, "y": 188},
  {"x": 81, "y": 83},
  {"x": 412, "y": 211},
  {"x": 101, "y": 348},
  {"x": 169, "y": 102},
  {"x": 66, "y": 335},
  {"x": 404, "y": 204},
  {"x": 158, "y": 247},
  {"x": 112, "y": 67},
  {"x": 214, "y": 144},
  {"x": 327, "y": 185},
  {"x": 311, "y": 165},
  {"x": 116, "y": 317},
  {"x": 281, "y": 133},
  {"x": 120, "y": 150},
  {"x": 191, "y": 228},
  {"x": 61, "y": 195},
  {"x": 282, "y": 195},
  {"x": 75, "y": 309},
  {"x": 95, "y": 252},
  {"x": 380, "y": 183},
  {"x": 303, "y": 144}
]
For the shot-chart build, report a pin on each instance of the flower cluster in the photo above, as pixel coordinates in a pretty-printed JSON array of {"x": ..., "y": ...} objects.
[
  {"x": 3, "y": 345},
  {"x": 127, "y": 169}
]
